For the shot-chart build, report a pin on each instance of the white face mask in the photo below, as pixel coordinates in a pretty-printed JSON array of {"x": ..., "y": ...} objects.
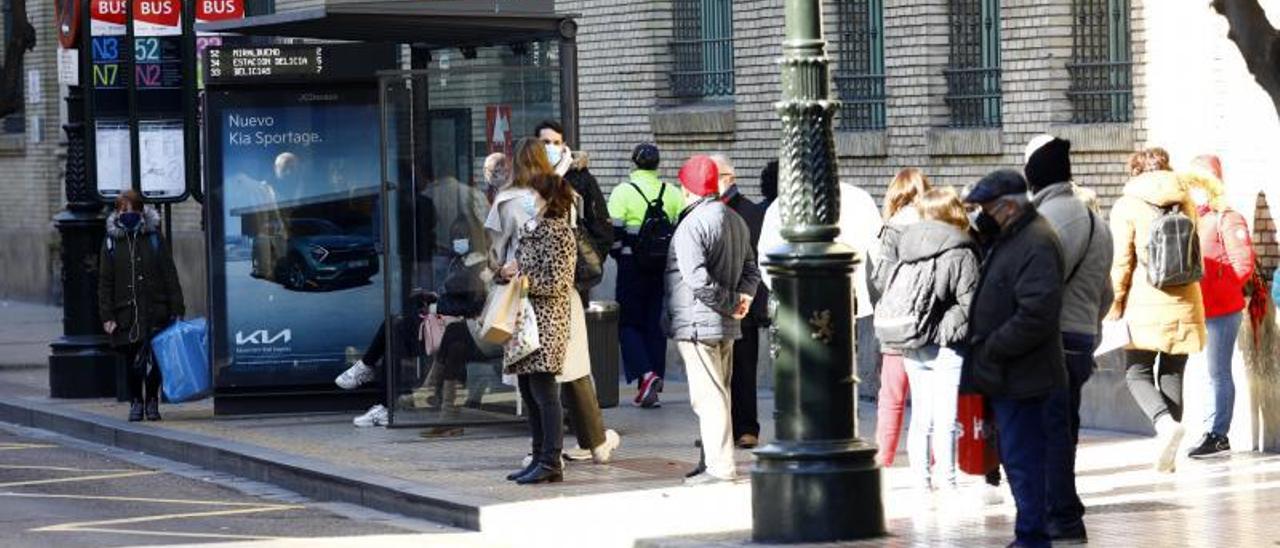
[{"x": 553, "y": 154}]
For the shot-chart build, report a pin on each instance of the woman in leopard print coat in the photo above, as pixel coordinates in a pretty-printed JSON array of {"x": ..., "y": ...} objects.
[{"x": 546, "y": 255}]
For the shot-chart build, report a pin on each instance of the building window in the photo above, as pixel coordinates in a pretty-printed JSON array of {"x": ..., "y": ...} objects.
[
  {"x": 1101, "y": 72},
  {"x": 703, "y": 48},
  {"x": 15, "y": 123},
  {"x": 860, "y": 75},
  {"x": 259, "y": 7},
  {"x": 973, "y": 72}
]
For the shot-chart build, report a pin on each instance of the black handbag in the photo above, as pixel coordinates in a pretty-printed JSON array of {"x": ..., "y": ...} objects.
[{"x": 590, "y": 265}]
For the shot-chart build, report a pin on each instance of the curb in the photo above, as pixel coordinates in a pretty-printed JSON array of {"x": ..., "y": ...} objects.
[{"x": 307, "y": 477}]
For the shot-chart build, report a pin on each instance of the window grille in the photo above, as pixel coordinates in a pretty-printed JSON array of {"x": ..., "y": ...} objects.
[
  {"x": 702, "y": 48},
  {"x": 859, "y": 77},
  {"x": 1101, "y": 70},
  {"x": 973, "y": 74}
]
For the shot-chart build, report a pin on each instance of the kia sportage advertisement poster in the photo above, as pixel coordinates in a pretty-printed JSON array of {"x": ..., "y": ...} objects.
[{"x": 297, "y": 226}]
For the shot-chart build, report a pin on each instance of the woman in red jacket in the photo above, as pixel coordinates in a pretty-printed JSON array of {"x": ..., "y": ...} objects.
[{"x": 1228, "y": 264}]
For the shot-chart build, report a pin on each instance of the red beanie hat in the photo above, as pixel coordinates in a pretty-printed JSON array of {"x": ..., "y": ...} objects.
[{"x": 700, "y": 176}]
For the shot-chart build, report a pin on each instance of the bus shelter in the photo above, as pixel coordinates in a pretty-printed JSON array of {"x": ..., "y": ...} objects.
[{"x": 345, "y": 149}]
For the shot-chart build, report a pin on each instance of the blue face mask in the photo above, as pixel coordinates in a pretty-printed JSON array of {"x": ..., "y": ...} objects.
[
  {"x": 129, "y": 219},
  {"x": 553, "y": 154}
]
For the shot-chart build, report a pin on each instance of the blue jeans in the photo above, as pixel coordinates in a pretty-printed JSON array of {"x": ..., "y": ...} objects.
[
  {"x": 641, "y": 297},
  {"x": 934, "y": 375},
  {"x": 1021, "y": 438},
  {"x": 1222, "y": 342},
  {"x": 1062, "y": 431}
]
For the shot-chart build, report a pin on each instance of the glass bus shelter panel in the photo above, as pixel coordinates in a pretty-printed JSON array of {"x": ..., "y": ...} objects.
[{"x": 439, "y": 126}]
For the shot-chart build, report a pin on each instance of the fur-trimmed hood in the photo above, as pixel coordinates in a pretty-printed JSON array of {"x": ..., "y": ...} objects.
[{"x": 150, "y": 223}]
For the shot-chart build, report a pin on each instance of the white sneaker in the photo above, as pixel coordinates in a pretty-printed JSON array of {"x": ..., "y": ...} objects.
[
  {"x": 375, "y": 416},
  {"x": 992, "y": 495},
  {"x": 354, "y": 376},
  {"x": 1168, "y": 437},
  {"x": 603, "y": 453},
  {"x": 576, "y": 454}
]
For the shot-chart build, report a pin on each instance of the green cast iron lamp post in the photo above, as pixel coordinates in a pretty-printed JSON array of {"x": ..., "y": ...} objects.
[{"x": 816, "y": 481}]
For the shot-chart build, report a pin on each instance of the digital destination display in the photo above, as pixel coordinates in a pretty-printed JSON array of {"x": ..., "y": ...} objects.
[{"x": 293, "y": 63}]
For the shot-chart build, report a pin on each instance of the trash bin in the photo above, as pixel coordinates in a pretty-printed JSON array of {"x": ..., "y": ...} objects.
[{"x": 602, "y": 339}]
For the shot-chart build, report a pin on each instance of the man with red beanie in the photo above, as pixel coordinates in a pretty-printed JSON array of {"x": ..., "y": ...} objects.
[{"x": 711, "y": 279}]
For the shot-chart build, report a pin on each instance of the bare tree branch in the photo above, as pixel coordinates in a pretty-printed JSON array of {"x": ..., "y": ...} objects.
[
  {"x": 22, "y": 40},
  {"x": 1257, "y": 41}
]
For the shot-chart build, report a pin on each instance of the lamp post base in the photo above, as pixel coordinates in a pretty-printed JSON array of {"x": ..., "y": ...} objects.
[
  {"x": 81, "y": 363},
  {"x": 82, "y": 366},
  {"x": 820, "y": 491}
]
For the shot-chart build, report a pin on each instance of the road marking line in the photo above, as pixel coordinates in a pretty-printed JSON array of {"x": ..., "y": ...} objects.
[
  {"x": 61, "y": 468},
  {"x": 158, "y": 533},
  {"x": 97, "y": 526},
  {"x": 16, "y": 446},
  {"x": 81, "y": 478},
  {"x": 145, "y": 499}
]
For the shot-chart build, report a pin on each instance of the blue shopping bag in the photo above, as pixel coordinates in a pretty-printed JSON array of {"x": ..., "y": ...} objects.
[{"x": 182, "y": 353}]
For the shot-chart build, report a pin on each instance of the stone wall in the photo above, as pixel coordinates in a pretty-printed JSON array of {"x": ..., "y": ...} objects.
[{"x": 31, "y": 172}]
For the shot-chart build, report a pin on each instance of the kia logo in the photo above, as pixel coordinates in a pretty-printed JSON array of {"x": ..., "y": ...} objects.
[{"x": 262, "y": 336}]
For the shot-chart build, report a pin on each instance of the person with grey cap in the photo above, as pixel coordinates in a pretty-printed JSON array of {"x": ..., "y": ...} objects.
[
  {"x": 1015, "y": 347},
  {"x": 1086, "y": 297}
]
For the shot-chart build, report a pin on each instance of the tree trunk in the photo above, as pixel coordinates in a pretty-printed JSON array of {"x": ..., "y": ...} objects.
[
  {"x": 1257, "y": 40},
  {"x": 22, "y": 40}
]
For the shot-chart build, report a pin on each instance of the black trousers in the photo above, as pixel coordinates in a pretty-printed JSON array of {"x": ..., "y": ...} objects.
[
  {"x": 143, "y": 382},
  {"x": 1160, "y": 396},
  {"x": 406, "y": 338},
  {"x": 742, "y": 384},
  {"x": 541, "y": 395}
]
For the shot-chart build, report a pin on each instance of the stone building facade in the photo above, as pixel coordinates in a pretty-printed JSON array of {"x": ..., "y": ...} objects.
[
  {"x": 954, "y": 87},
  {"x": 31, "y": 156},
  {"x": 1171, "y": 79}
]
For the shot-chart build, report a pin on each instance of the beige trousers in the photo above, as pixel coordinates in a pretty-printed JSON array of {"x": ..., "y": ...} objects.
[{"x": 709, "y": 366}]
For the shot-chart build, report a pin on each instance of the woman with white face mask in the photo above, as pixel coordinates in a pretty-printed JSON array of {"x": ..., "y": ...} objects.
[{"x": 1228, "y": 264}]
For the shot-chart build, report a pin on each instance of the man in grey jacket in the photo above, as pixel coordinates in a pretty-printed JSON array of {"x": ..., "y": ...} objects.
[
  {"x": 711, "y": 278},
  {"x": 1086, "y": 296}
]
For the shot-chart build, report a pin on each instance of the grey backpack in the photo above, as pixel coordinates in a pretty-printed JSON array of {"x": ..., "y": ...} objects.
[
  {"x": 1173, "y": 249},
  {"x": 904, "y": 316}
]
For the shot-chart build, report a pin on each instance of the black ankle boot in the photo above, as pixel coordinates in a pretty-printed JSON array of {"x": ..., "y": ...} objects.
[
  {"x": 153, "y": 409},
  {"x": 542, "y": 474},
  {"x": 517, "y": 474},
  {"x": 135, "y": 411}
]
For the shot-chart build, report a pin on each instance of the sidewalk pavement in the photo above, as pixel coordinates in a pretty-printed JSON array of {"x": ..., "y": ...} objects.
[
  {"x": 638, "y": 498},
  {"x": 25, "y": 333}
]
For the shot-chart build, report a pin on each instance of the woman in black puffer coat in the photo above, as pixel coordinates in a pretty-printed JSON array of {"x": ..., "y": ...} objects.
[{"x": 138, "y": 295}]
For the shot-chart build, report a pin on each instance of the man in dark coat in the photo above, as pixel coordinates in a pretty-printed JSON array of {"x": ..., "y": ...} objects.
[
  {"x": 573, "y": 167},
  {"x": 138, "y": 294},
  {"x": 1015, "y": 356},
  {"x": 746, "y": 351}
]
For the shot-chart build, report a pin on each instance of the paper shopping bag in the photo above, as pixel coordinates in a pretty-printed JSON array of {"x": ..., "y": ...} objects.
[{"x": 498, "y": 321}]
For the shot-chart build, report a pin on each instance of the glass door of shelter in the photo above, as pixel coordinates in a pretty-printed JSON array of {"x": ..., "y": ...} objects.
[{"x": 438, "y": 127}]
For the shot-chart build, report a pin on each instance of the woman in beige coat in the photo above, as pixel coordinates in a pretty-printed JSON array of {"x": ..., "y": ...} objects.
[{"x": 1164, "y": 323}]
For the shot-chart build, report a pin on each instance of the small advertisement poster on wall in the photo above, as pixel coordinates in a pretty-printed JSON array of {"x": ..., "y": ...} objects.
[{"x": 296, "y": 177}]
